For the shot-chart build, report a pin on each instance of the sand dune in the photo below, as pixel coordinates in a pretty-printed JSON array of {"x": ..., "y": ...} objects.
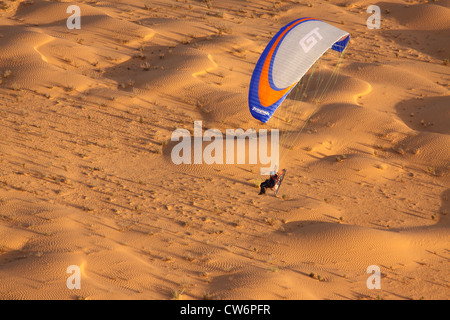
[
  {"x": 427, "y": 16},
  {"x": 87, "y": 176}
]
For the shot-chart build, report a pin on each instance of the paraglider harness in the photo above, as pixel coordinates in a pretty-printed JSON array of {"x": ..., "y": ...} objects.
[
  {"x": 270, "y": 183},
  {"x": 273, "y": 180},
  {"x": 273, "y": 183}
]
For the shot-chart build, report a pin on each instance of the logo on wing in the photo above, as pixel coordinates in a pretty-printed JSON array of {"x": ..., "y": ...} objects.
[
  {"x": 310, "y": 40},
  {"x": 257, "y": 110}
]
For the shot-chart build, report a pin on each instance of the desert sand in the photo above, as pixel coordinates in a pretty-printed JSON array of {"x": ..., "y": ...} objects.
[{"x": 86, "y": 176}]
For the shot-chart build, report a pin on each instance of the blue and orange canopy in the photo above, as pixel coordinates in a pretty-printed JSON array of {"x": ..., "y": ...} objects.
[{"x": 287, "y": 57}]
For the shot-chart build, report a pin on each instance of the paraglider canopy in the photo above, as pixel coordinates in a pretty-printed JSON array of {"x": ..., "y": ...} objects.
[{"x": 288, "y": 56}]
